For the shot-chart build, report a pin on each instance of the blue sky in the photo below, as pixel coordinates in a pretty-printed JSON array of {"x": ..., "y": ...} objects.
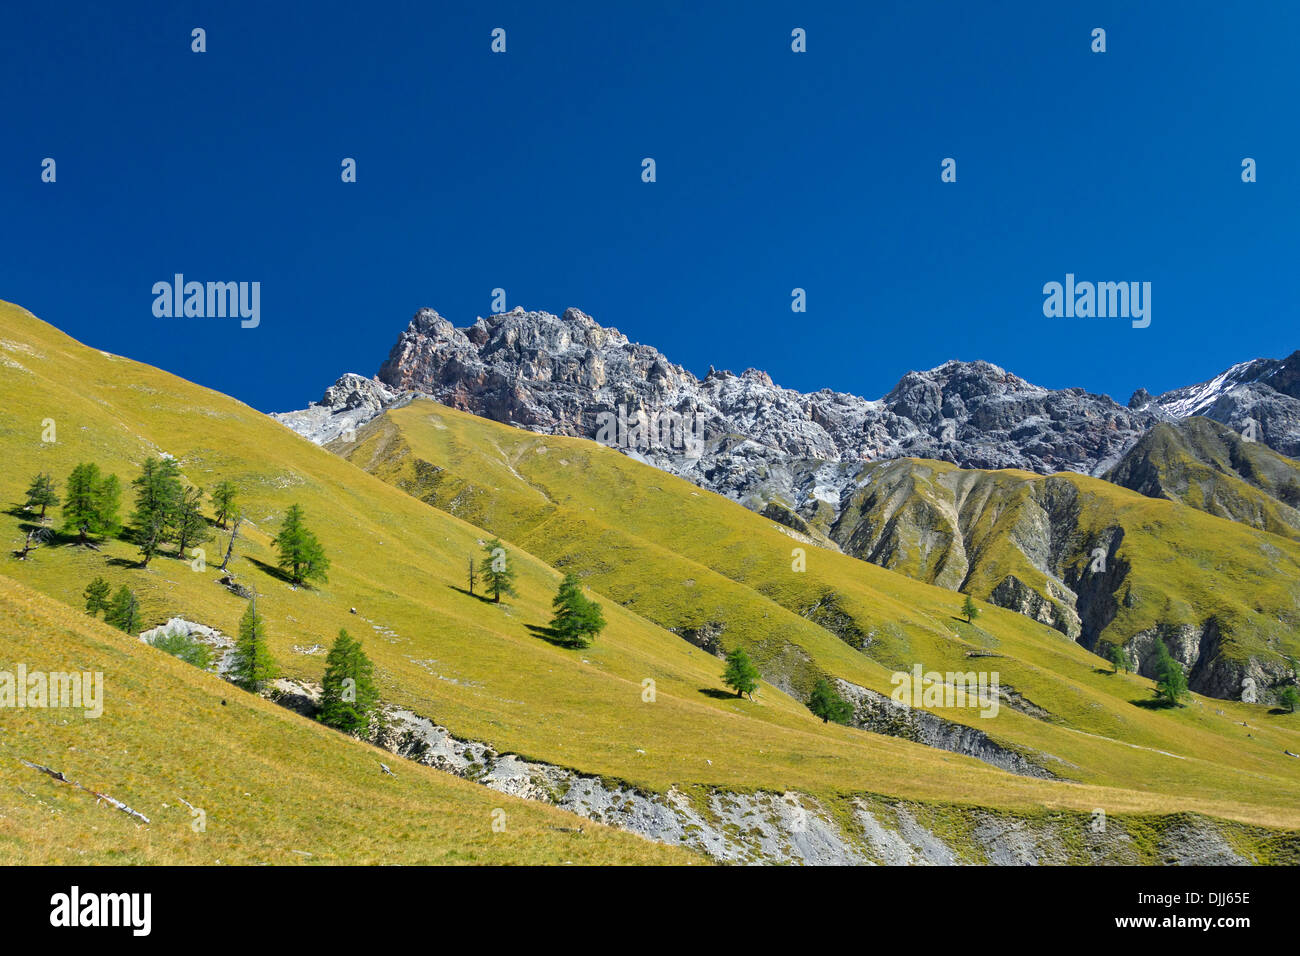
[{"x": 775, "y": 170}]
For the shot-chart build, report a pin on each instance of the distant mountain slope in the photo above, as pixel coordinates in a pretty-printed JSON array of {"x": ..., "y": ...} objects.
[
  {"x": 719, "y": 576},
  {"x": 1092, "y": 560},
  {"x": 1209, "y": 466}
]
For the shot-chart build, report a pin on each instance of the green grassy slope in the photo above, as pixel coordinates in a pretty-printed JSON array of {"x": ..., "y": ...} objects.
[
  {"x": 273, "y": 786},
  {"x": 697, "y": 563},
  {"x": 1028, "y": 541},
  {"x": 1210, "y": 467},
  {"x": 483, "y": 671}
]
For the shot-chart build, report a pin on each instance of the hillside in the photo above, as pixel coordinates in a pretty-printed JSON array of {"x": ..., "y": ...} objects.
[
  {"x": 1101, "y": 564},
  {"x": 272, "y": 787},
  {"x": 659, "y": 554},
  {"x": 1210, "y": 467},
  {"x": 728, "y": 580}
]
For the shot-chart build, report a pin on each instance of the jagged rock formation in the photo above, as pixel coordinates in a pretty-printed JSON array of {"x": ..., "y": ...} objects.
[
  {"x": 1265, "y": 391},
  {"x": 346, "y": 405},
  {"x": 882, "y": 715},
  {"x": 767, "y": 446}
]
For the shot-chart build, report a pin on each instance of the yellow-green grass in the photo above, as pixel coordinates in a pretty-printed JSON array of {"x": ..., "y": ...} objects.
[
  {"x": 271, "y": 786},
  {"x": 684, "y": 557},
  {"x": 480, "y": 670},
  {"x": 1185, "y": 566}
]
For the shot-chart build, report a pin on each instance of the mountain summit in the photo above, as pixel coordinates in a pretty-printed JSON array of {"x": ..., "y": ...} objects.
[{"x": 568, "y": 374}]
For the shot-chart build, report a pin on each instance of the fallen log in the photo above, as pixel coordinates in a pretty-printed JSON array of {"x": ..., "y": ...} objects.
[{"x": 117, "y": 804}]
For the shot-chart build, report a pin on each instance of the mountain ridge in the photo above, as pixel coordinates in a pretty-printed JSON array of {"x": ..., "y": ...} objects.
[{"x": 765, "y": 444}]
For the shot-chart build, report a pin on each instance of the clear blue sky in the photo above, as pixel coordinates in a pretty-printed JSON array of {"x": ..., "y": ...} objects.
[{"x": 775, "y": 170}]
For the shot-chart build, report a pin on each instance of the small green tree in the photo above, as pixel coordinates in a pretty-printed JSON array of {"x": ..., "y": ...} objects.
[
  {"x": 741, "y": 675},
  {"x": 90, "y": 504},
  {"x": 827, "y": 704},
  {"x": 1119, "y": 658},
  {"x": 158, "y": 494},
  {"x": 349, "y": 696},
  {"x": 41, "y": 494},
  {"x": 191, "y": 526},
  {"x": 224, "y": 498},
  {"x": 498, "y": 576},
  {"x": 96, "y": 595},
  {"x": 1171, "y": 679},
  {"x": 123, "y": 611},
  {"x": 301, "y": 555},
  {"x": 182, "y": 645},
  {"x": 577, "y": 620},
  {"x": 969, "y": 609},
  {"x": 251, "y": 665},
  {"x": 473, "y": 574},
  {"x": 1289, "y": 697}
]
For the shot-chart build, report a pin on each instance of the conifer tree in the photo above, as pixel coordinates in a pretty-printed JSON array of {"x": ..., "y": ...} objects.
[
  {"x": 498, "y": 576},
  {"x": 224, "y": 498},
  {"x": 577, "y": 619},
  {"x": 251, "y": 665},
  {"x": 158, "y": 494},
  {"x": 41, "y": 494},
  {"x": 90, "y": 506},
  {"x": 191, "y": 526},
  {"x": 1171, "y": 679},
  {"x": 123, "y": 611},
  {"x": 827, "y": 704},
  {"x": 301, "y": 555},
  {"x": 96, "y": 595},
  {"x": 741, "y": 675},
  {"x": 349, "y": 698},
  {"x": 969, "y": 609}
]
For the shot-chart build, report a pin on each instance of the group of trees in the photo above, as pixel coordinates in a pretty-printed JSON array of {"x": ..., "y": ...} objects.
[
  {"x": 90, "y": 503},
  {"x": 121, "y": 611},
  {"x": 349, "y": 695},
  {"x": 577, "y": 620},
  {"x": 1171, "y": 678},
  {"x": 168, "y": 511}
]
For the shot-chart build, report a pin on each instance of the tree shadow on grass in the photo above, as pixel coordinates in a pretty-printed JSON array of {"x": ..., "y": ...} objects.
[
  {"x": 717, "y": 694},
  {"x": 276, "y": 573},
  {"x": 548, "y": 634},
  {"x": 1154, "y": 704},
  {"x": 1105, "y": 671},
  {"x": 123, "y": 563},
  {"x": 482, "y": 597}
]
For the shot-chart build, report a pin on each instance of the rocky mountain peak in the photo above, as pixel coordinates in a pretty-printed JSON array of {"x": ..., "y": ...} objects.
[{"x": 563, "y": 374}]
